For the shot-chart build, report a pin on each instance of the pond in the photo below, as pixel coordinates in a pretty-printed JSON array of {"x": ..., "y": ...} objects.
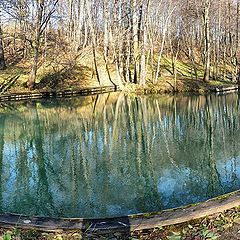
[{"x": 112, "y": 155}]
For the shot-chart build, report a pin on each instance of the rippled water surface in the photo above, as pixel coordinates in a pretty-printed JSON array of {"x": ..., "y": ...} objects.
[{"x": 112, "y": 155}]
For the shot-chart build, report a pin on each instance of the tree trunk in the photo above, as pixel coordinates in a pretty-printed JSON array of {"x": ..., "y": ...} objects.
[
  {"x": 42, "y": 20},
  {"x": 143, "y": 72},
  {"x": 218, "y": 42},
  {"x": 33, "y": 74},
  {"x": 206, "y": 41},
  {"x": 93, "y": 35},
  {"x": 2, "y": 59},
  {"x": 106, "y": 28},
  {"x": 70, "y": 20},
  {"x": 135, "y": 40},
  {"x": 162, "y": 44}
]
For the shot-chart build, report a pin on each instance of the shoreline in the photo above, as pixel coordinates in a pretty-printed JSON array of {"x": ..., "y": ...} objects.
[
  {"x": 135, "y": 222},
  {"x": 57, "y": 93},
  {"x": 129, "y": 89}
]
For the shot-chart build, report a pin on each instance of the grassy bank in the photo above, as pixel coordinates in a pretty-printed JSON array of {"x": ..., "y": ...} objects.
[
  {"x": 183, "y": 85},
  {"x": 80, "y": 73},
  {"x": 66, "y": 72},
  {"x": 219, "y": 226}
]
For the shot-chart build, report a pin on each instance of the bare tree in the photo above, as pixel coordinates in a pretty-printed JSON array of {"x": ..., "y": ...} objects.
[
  {"x": 43, "y": 16},
  {"x": 132, "y": 37},
  {"x": 206, "y": 40},
  {"x": 143, "y": 73},
  {"x": 164, "y": 34},
  {"x": 2, "y": 59}
]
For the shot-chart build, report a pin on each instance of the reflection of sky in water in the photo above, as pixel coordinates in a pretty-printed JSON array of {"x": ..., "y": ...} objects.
[
  {"x": 229, "y": 172},
  {"x": 108, "y": 166},
  {"x": 173, "y": 184}
]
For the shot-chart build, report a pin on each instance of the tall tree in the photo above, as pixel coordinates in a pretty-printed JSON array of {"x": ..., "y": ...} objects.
[
  {"x": 135, "y": 28},
  {"x": 143, "y": 72},
  {"x": 207, "y": 50},
  {"x": 129, "y": 35},
  {"x": 2, "y": 59},
  {"x": 43, "y": 15}
]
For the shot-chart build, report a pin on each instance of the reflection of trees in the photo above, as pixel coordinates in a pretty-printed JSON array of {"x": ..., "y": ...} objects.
[
  {"x": 213, "y": 188},
  {"x": 43, "y": 192},
  {"x": 107, "y": 153},
  {"x": 2, "y": 125}
]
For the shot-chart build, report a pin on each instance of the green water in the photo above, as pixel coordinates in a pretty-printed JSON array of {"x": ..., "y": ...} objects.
[{"x": 112, "y": 155}]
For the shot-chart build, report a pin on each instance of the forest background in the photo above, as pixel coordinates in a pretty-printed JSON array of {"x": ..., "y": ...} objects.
[{"x": 67, "y": 44}]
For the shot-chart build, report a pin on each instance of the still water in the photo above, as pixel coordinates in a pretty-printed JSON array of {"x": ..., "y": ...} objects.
[{"x": 113, "y": 155}]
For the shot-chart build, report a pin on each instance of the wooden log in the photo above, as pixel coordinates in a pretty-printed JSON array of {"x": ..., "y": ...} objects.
[
  {"x": 226, "y": 88},
  {"x": 127, "y": 223}
]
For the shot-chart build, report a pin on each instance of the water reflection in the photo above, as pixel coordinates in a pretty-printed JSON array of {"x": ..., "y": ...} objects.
[{"x": 112, "y": 155}]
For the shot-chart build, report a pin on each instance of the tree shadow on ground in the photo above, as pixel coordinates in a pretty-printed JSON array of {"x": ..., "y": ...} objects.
[
  {"x": 193, "y": 85},
  {"x": 13, "y": 60},
  {"x": 66, "y": 77}
]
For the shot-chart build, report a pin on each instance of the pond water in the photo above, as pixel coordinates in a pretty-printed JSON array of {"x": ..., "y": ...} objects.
[{"x": 113, "y": 155}]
